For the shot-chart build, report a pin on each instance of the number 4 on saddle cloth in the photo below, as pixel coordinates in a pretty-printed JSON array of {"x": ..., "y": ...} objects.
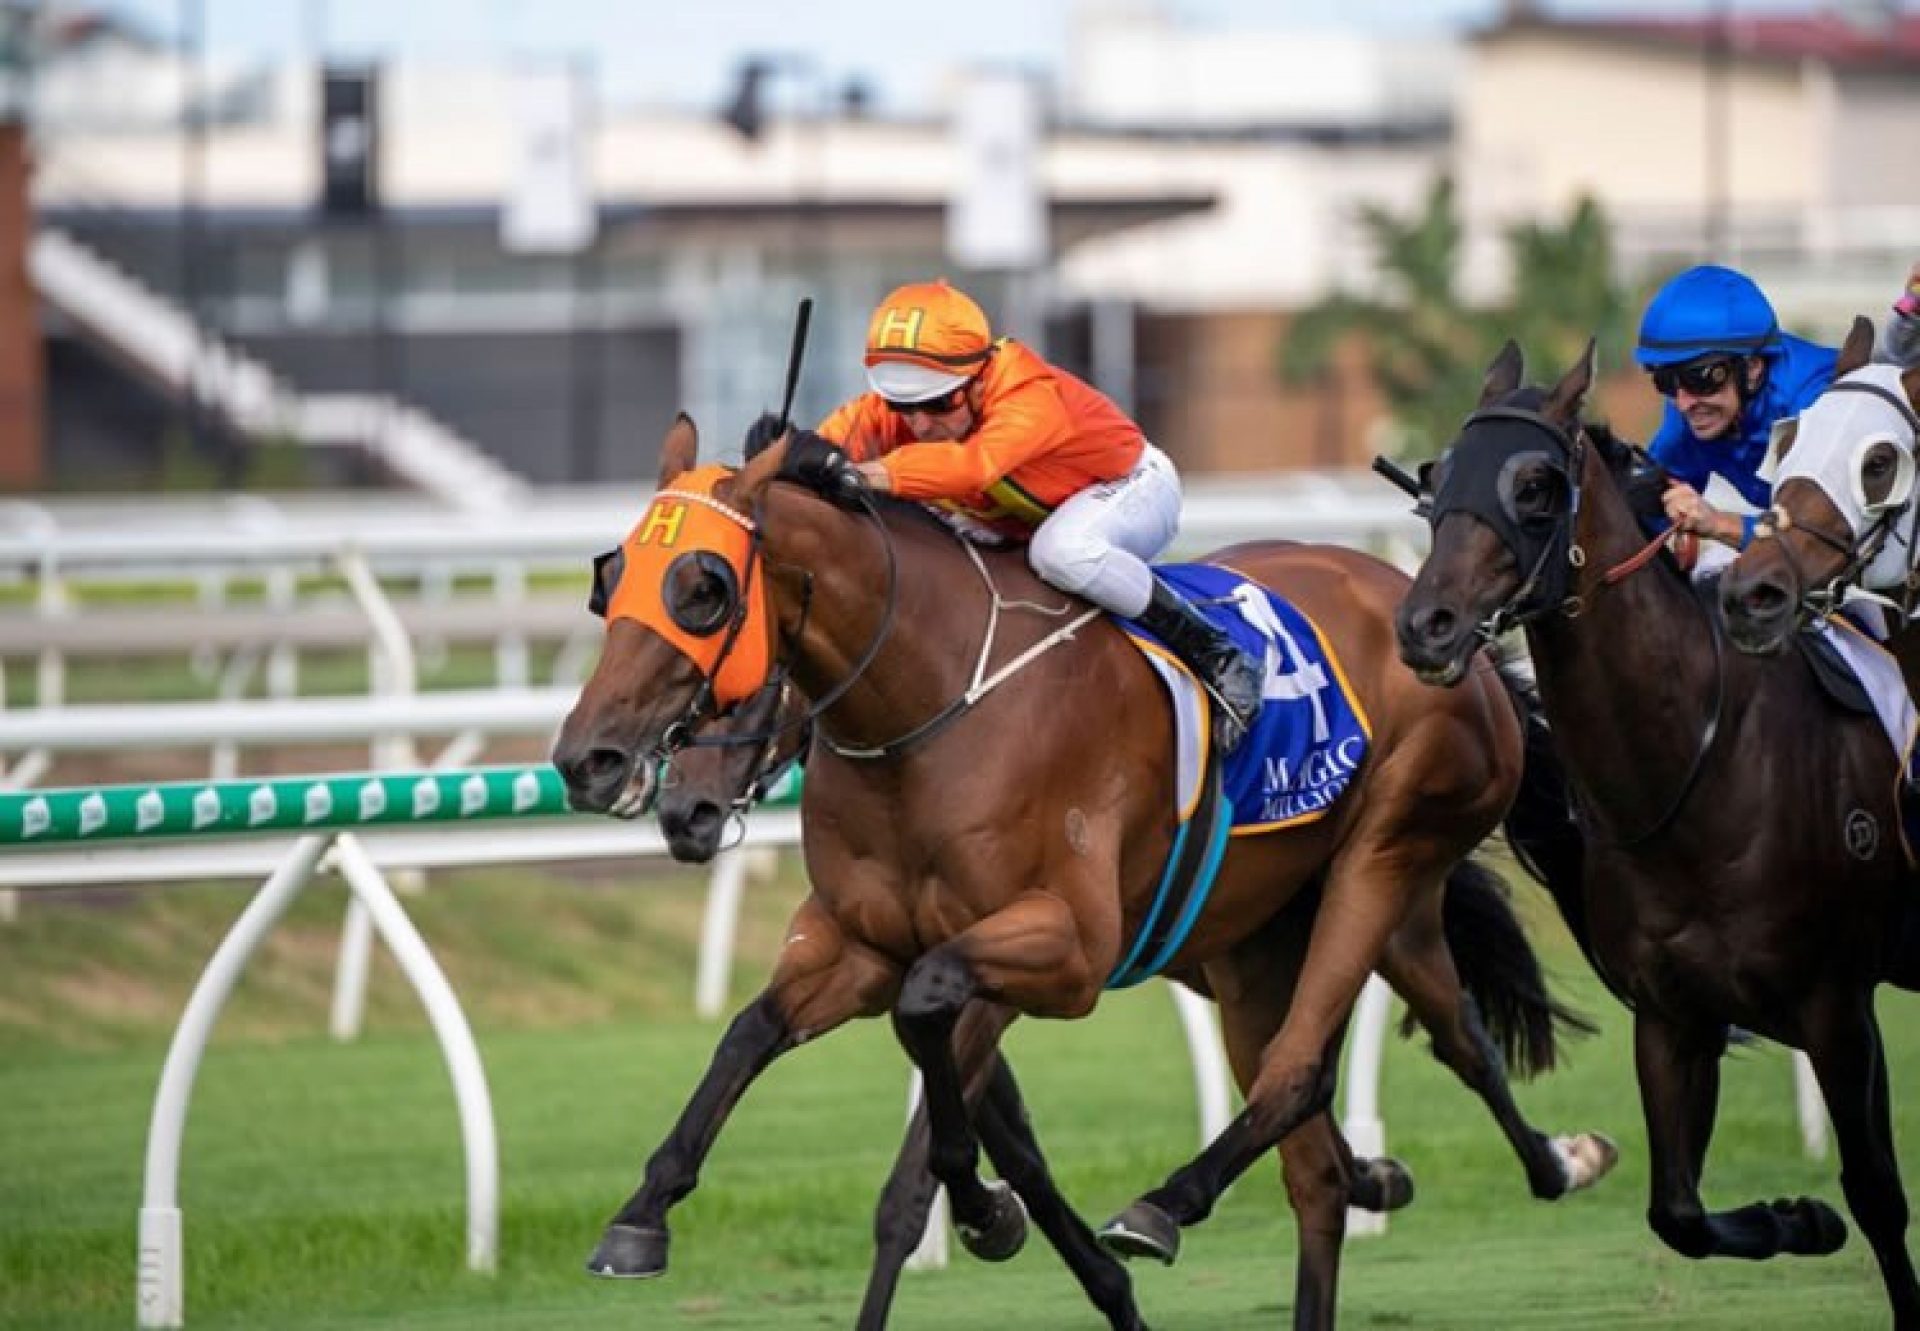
[{"x": 1299, "y": 756}]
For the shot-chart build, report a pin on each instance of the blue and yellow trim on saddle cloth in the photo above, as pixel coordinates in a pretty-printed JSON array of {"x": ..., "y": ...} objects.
[{"x": 1302, "y": 753}]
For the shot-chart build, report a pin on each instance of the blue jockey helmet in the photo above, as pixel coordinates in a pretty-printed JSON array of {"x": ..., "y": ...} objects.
[{"x": 1702, "y": 311}]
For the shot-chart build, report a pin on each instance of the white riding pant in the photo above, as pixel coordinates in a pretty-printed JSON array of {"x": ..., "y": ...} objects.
[{"x": 1098, "y": 542}]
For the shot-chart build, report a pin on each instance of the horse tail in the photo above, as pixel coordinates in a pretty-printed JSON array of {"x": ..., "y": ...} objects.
[
  {"x": 1499, "y": 968},
  {"x": 1540, "y": 825}
]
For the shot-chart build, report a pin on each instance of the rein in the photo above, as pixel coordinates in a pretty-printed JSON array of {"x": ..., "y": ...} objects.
[
  {"x": 679, "y": 733},
  {"x": 1631, "y": 565},
  {"x": 982, "y": 684}
]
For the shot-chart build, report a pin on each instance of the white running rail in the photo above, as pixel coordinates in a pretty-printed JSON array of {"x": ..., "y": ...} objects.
[{"x": 164, "y": 341}]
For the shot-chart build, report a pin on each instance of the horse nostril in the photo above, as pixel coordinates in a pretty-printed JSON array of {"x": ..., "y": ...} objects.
[
  {"x": 593, "y": 769},
  {"x": 1764, "y": 600},
  {"x": 1436, "y": 624},
  {"x": 693, "y": 831}
]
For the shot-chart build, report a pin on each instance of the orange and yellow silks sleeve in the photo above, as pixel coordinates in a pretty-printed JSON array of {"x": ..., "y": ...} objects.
[
  {"x": 865, "y": 428},
  {"x": 1041, "y": 436}
]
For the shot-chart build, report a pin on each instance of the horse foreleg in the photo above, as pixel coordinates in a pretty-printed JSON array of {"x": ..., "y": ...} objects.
[
  {"x": 821, "y": 980},
  {"x": 1679, "y": 1074},
  {"x": 1297, "y": 1069},
  {"x": 1419, "y": 967},
  {"x": 1001, "y": 1118},
  {"x": 1028, "y": 956},
  {"x": 1315, "y": 1162},
  {"x": 1850, "y": 1060},
  {"x": 900, "y": 1218},
  {"x": 1008, "y": 1137}
]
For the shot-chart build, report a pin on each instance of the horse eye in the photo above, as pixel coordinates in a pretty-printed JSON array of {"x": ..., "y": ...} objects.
[{"x": 701, "y": 592}]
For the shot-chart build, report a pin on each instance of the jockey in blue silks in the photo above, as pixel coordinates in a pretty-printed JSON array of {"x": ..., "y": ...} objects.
[{"x": 1715, "y": 351}]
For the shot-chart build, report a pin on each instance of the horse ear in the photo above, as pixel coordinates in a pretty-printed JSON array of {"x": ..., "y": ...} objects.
[
  {"x": 680, "y": 450},
  {"x": 759, "y": 471},
  {"x": 1570, "y": 394},
  {"x": 1910, "y": 381},
  {"x": 1504, "y": 375},
  {"x": 1857, "y": 350}
]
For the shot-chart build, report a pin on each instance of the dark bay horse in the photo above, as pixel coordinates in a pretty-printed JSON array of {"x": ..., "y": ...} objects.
[
  {"x": 1844, "y": 511},
  {"x": 1744, "y": 865},
  {"x": 1001, "y": 863}
]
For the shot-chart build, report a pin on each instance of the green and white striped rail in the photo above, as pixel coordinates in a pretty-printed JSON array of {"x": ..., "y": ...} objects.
[{"x": 289, "y": 804}]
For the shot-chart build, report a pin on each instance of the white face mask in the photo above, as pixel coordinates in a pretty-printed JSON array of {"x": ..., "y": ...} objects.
[{"x": 1845, "y": 443}]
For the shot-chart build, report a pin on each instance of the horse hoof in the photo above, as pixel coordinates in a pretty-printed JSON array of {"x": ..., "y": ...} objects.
[
  {"x": 1005, "y": 1232},
  {"x": 1813, "y": 1228},
  {"x": 1588, "y": 1158},
  {"x": 1380, "y": 1185},
  {"x": 629, "y": 1253},
  {"x": 1142, "y": 1230}
]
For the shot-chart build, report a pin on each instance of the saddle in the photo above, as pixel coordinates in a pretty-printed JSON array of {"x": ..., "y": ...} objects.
[{"x": 1836, "y": 678}]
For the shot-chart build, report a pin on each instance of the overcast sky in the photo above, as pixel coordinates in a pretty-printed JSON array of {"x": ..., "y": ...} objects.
[{"x": 681, "y": 52}]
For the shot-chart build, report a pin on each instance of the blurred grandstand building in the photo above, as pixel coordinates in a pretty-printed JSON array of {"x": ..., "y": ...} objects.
[{"x": 475, "y": 278}]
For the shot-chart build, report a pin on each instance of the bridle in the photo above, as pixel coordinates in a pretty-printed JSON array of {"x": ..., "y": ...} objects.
[
  {"x": 1544, "y": 590},
  {"x": 1856, "y": 554},
  {"x": 680, "y": 732}
]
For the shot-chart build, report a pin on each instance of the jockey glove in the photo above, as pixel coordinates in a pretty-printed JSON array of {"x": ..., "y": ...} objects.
[{"x": 822, "y": 467}]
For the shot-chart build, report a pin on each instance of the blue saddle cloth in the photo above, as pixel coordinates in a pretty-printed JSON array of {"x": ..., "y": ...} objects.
[{"x": 1311, "y": 735}]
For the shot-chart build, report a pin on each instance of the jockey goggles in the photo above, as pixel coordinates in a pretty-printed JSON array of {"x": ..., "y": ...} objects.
[
  {"x": 932, "y": 406},
  {"x": 1700, "y": 378}
]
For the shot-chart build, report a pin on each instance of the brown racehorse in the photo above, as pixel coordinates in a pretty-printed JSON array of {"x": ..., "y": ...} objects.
[
  {"x": 1000, "y": 862},
  {"x": 724, "y": 772},
  {"x": 1744, "y": 866},
  {"x": 1811, "y": 549}
]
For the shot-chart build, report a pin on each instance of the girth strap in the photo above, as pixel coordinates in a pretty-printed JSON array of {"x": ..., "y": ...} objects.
[{"x": 1184, "y": 887}]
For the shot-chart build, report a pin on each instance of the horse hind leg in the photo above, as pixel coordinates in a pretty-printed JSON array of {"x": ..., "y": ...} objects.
[
  {"x": 1481, "y": 935},
  {"x": 1850, "y": 1060}
]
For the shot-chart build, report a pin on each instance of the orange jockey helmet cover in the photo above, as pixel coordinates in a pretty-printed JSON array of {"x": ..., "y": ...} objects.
[
  {"x": 925, "y": 339},
  {"x": 688, "y": 519}
]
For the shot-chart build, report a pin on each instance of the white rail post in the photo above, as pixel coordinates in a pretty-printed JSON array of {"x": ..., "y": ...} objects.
[
  {"x": 456, "y": 1042},
  {"x": 1361, "y": 1125},
  {"x": 161, "y": 1293},
  {"x": 391, "y": 663},
  {"x": 1811, "y": 1106},
  {"x": 725, "y": 885},
  {"x": 1212, "y": 1082}
]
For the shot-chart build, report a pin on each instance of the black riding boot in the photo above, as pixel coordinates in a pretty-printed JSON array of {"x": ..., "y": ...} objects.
[{"x": 1230, "y": 675}]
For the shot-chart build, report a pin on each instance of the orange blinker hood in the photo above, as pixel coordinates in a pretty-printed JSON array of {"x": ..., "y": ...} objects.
[{"x": 683, "y": 520}]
